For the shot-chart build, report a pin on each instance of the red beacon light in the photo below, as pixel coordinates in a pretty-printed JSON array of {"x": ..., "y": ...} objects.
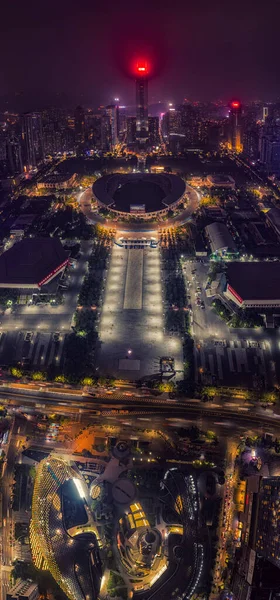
[
  {"x": 142, "y": 68},
  {"x": 235, "y": 104}
]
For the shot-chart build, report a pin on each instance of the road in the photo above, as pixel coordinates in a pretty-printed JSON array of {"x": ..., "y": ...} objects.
[
  {"x": 15, "y": 438},
  {"x": 85, "y": 197}
]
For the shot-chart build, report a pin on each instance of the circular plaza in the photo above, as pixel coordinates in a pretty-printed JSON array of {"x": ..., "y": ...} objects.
[{"x": 142, "y": 195}]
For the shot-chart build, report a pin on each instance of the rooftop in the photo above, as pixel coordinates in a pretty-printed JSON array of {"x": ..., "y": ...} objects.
[
  {"x": 32, "y": 261},
  {"x": 255, "y": 280},
  {"x": 220, "y": 237},
  {"x": 273, "y": 215},
  {"x": 156, "y": 191}
]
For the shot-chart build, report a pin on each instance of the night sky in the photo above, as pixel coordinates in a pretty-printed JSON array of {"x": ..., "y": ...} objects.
[{"x": 82, "y": 52}]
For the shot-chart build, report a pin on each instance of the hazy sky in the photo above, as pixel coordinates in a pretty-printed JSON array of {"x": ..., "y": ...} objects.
[{"x": 82, "y": 51}]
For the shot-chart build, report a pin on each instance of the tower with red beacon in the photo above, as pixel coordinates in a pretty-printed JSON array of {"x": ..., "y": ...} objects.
[
  {"x": 142, "y": 124},
  {"x": 235, "y": 122}
]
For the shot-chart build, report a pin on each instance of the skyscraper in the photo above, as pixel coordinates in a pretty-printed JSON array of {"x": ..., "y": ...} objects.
[
  {"x": 142, "y": 125},
  {"x": 235, "y": 133},
  {"x": 14, "y": 157},
  {"x": 79, "y": 125},
  {"x": 131, "y": 130},
  {"x": 32, "y": 139},
  {"x": 112, "y": 111},
  {"x": 105, "y": 133},
  {"x": 153, "y": 130}
]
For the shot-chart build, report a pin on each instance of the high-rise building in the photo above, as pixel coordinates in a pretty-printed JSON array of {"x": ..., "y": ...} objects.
[
  {"x": 251, "y": 138},
  {"x": 93, "y": 129},
  {"x": 171, "y": 122},
  {"x": 32, "y": 139},
  {"x": 265, "y": 113},
  {"x": 142, "y": 125},
  {"x": 268, "y": 529},
  {"x": 234, "y": 126},
  {"x": 190, "y": 124},
  {"x": 55, "y": 131},
  {"x": 153, "y": 130},
  {"x": 122, "y": 122},
  {"x": 112, "y": 111},
  {"x": 79, "y": 125},
  {"x": 256, "y": 573},
  {"x": 131, "y": 130},
  {"x": 14, "y": 156},
  {"x": 270, "y": 153},
  {"x": 106, "y": 139}
]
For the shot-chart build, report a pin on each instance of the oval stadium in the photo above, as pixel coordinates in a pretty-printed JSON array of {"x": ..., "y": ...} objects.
[{"x": 145, "y": 195}]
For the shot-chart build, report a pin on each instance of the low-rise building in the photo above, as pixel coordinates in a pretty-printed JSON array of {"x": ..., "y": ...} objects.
[
  {"x": 57, "y": 181},
  {"x": 224, "y": 181},
  {"x": 220, "y": 240},
  {"x": 23, "y": 590},
  {"x": 32, "y": 263},
  {"x": 253, "y": 284}
]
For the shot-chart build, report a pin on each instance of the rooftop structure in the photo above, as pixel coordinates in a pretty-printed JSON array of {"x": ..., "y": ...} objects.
[
  {"x": 63, "y": 535},
  {"x": 220, "y": 239},
  {"x": 273, "y": 219},
  {"x": 32, "y": 263},
  {"x": 141, "y": 194},
  {"x": 254, "y": 284},
  {"x": 23, "y": 590}
]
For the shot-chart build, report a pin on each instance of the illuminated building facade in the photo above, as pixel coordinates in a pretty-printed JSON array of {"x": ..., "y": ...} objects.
[
  {"x": 63, "y": 535},
  {"x": 142, "y": 124},
  {"x": 235, "y": 130},
  {"x": 112, "y": 111},
  {"x": 268, "y": 531},
  {"x": 153, "y": 130},
  {"x": 131, "y": 130},
  {"x": 105, "y": 133},
  {"x": 256, "y": 572}
]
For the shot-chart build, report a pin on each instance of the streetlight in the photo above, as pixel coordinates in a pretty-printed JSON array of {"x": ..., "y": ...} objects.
[{"x": 129, "y": 352}]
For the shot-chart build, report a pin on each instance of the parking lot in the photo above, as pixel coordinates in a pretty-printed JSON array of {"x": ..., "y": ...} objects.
[
  {"x": 225, "y": 356},
  {"x": 46, "y": 325}
]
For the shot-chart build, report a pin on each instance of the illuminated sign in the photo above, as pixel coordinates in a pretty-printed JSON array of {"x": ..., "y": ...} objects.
[
  {"x": 142, "y": 68},
  {"x": 53, "y": 273},
  {"x": 137, "y": 208}
]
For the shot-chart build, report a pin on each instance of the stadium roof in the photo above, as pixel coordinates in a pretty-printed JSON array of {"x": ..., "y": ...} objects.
[
  {"x": 32, "y": 262},
  {"x": 173, "y": 186},
  {"x": 255, "y": 280},
  {"x": 219, "y": 237}
]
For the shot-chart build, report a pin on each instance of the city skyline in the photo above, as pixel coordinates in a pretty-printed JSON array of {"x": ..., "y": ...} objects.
[{"x": 84, "y": 56}]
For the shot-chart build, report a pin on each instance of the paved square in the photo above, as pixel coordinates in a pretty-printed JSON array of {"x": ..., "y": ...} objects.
[
  {"x": 135, "y": 323},
  {"x": 134, "y": 280}
]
